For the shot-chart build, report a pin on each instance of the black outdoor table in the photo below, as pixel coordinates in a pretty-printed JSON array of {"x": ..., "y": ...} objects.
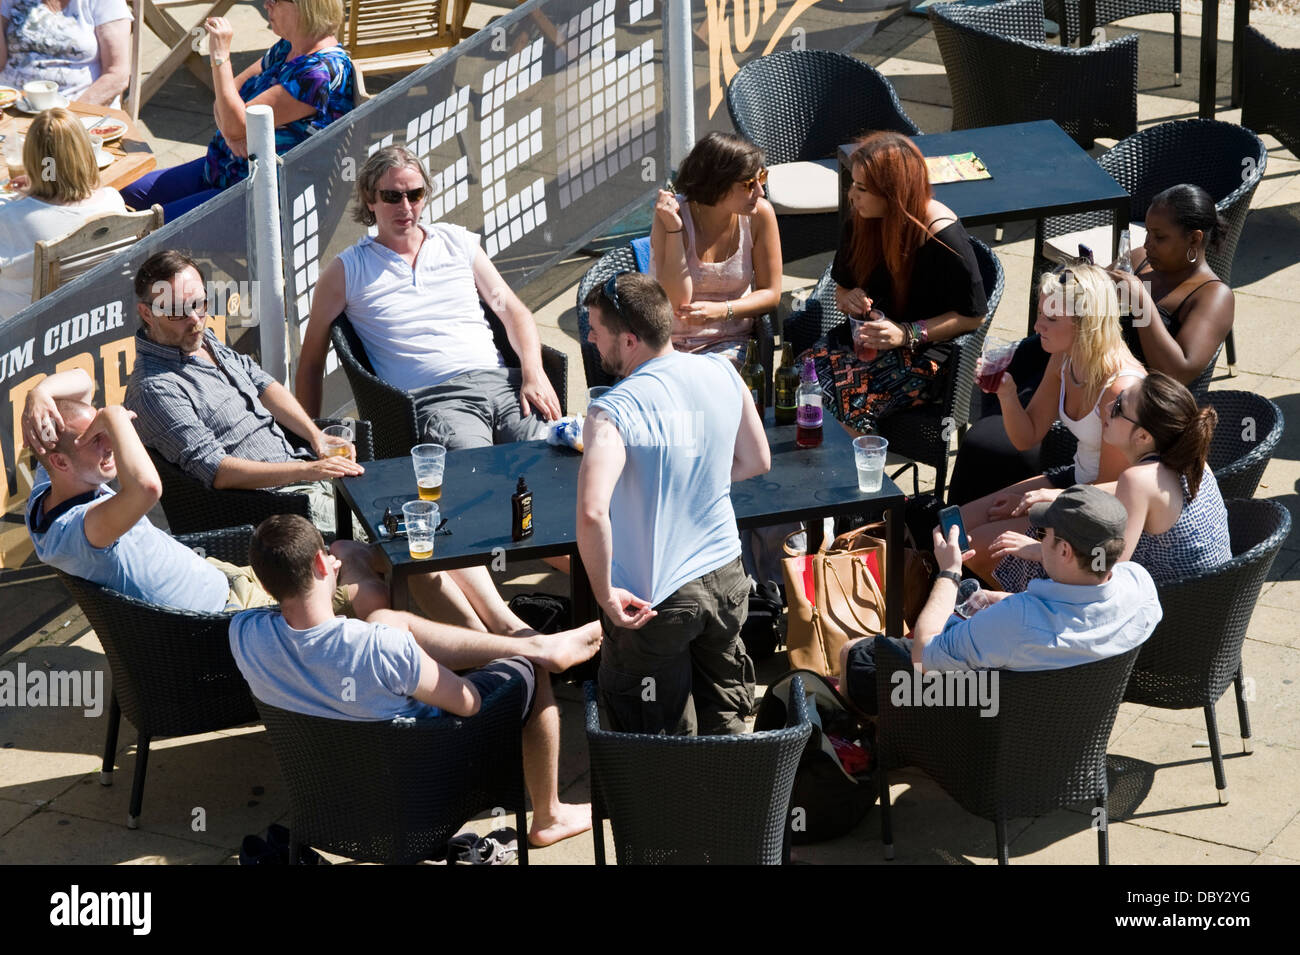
[
  {"x": 1037, "y": 171},
  {"x": 803, "y": 484},
  {"x": 1209, "y": 46}
]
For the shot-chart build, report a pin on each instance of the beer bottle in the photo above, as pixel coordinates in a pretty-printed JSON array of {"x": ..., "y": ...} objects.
[
  {"x": 808, "y": 415},
  {"x": 754, "y": 377},
  {"x": 787, "y": 387}
]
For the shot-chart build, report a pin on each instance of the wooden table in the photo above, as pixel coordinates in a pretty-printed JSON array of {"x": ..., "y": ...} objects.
[{"x": 132, "y": 155}]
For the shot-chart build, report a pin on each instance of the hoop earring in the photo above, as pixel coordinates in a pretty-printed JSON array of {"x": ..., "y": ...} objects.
[{"x": 1191, "y": 255}]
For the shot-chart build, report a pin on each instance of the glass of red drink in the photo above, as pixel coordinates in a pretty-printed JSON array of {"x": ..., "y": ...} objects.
[
  {"x": 992, "y": 364},
  {"x": 862, "y": 351}
]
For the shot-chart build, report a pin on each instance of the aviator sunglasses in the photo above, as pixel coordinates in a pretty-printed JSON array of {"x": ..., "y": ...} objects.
[{"x": 393, "y": 196}]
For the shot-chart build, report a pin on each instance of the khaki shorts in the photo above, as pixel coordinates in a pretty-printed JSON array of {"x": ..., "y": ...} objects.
[{"x": 246, "y": 593}]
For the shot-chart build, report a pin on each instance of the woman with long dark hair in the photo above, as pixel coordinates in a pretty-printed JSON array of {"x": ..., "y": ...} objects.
[{"x": 907, "y": 267}]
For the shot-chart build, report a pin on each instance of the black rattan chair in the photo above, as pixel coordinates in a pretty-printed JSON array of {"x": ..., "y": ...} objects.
[
  {"x": 192, "y": 507},
  {"x": 1001, "y": 70},
  {"x": 1195, "y": 652},
  {"x": 801, "y": 106},
  {"x": 923, "y": 433},
  {"x": 1270, "y": 89},
  {"x": 1249, "y": 429},
  {"x": 396, "y": 791},
  {"x": 679, "y": 800},
  {"x": 1045, "y": 748},
  {"x": 1066, "y": 14},
  {"x": 622, "y": 259},
  {"x": 173, "y": 673},
  {"x": 1224, "y": 159},
  {"x": 392, "y": 410}
]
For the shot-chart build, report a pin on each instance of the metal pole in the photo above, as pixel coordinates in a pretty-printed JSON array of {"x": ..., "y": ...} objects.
[
  {"x": 266, "y": 257},
  {"x": 679, "y": 77}
]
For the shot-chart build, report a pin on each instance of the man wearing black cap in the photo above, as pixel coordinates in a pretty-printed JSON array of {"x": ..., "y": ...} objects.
[{"x": 1089, "y": 609}]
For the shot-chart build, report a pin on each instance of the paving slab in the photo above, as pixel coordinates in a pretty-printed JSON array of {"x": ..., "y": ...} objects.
[
  {"x": 1287, "y": 843},
  {"x": 55, "y": 838},
  {"x": 1067, "y": 838}
]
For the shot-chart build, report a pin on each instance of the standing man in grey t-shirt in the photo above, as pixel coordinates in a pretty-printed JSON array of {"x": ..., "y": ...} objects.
[{"x": 662, "y": 449}]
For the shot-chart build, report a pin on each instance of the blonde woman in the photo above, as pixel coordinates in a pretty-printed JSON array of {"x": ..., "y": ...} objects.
[
  {"x": 60, "y": 192},
  {"x": 1089, "y": 365},
  {"x": 306, "y": 78}
]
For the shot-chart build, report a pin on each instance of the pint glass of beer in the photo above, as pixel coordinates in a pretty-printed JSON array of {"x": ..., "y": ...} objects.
[{"x": 429, "y": 461}]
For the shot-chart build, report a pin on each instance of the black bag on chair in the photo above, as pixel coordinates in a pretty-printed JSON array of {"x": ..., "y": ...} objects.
[
  {"x": 761, "y": 633},
  {"x": 827, "y": 801}
]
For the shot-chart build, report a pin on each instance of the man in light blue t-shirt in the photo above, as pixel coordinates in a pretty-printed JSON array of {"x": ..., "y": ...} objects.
[{"x": 656, "y": 530}]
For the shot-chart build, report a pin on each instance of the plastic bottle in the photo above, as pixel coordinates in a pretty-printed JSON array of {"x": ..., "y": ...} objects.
[{"x": 1124, "y": 257}]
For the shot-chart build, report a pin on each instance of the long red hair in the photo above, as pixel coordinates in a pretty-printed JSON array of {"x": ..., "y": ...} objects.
[{"x": 892, "y": 168}]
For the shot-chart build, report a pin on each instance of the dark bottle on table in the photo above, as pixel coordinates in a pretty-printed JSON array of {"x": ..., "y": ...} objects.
[
  {"x": 808, "y": 415},
  {"x": 521, "y": 506},
  {"x": 754, "y": 377},
  {"x": 787, "y": 387}
]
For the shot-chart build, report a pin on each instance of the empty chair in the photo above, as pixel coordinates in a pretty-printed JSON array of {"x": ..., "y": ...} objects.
[
  {"x": 799, "y": 107},
  {"x": 677, "y": 800},
  {"x": 1001, "y": 70},
  {"x": 1044, "y": 749},
  {"x": 191, "y": 506},
  {"x": 1066, "y": 14},
  {"x": 385, "y": 36},
  {"x": 920, "y": 433},
  {"x": 1249, "y": 429},
  {"x": 395, "y": 791},
  {"x": 391, "y": 411},
  {"x": 1195, "y": 652},
  {"x": 173, "y": 673},
  {"x": 1270, "y": 89}
]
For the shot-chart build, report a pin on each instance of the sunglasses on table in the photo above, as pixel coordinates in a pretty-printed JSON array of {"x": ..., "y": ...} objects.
[
  {"x": 759, "y": 178},
  {"x": 393, "y": 196}
]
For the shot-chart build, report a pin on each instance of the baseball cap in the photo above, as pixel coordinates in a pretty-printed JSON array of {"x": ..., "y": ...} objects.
[{"x": 1084, "y": 515}]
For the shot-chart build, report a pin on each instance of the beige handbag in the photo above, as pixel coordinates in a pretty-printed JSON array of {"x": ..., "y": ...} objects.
[{"x": 832, "y": 599}]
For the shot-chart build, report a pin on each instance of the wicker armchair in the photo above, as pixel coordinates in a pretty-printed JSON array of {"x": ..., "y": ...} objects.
[
  {"x": 801, "y": 106},
  {"x": 1066, "y": 13},
  {"x": 1195, "y": 652},
  {"x": 396, "y": 791},
  {"x": 1045, "y": 749},
  {"x": 1001, "y": 71},
  {"x": 1270, "y": 94},
  {"x": 192, "y": 507},
  {"x": 923, "y": 433},
  {"x": 1241, "y": 449},
  {"x": 173, "y": 674},
  {"x": 622, "y": 259},
  {"x": 677, "y": 800},
  {"x": 392, "y": 410},
  {"x": 1224, "y": 159}
]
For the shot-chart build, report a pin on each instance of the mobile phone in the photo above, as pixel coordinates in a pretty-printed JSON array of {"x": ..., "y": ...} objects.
[{"x": 949, "y": 518}]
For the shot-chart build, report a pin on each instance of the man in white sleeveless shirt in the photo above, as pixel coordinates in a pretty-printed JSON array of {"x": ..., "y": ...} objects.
[
  {"x": 412, "y": 295},
  {"x": 662, "y": 448}
]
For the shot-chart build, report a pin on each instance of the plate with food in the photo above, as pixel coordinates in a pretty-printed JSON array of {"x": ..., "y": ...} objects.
[
  {"x": 107, "y": 128},
  {"x": 8, "y": 96}
]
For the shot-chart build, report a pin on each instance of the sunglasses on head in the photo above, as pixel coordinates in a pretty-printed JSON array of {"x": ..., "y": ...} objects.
[
  {"x": 393, "y": 196},
  {"x": 611, "y": 289},
  {"x": 759, "y": 178}
]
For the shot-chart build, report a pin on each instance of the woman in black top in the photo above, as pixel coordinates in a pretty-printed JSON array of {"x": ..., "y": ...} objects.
[
  {"x": 906, "y": 265},
  {"x": 1176, "y": 314}
]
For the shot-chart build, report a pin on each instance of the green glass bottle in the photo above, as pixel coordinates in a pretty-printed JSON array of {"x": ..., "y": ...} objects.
[
  {"x": 754, "y": 376},
  {"x": 787, "y": 387}
]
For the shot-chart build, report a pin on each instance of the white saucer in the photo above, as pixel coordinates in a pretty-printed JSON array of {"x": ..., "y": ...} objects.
[
  {"x": 104, "y": 159},
  {"x": 23, "y": 106}
]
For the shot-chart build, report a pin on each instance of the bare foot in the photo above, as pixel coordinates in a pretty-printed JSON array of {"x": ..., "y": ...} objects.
[
  {"x": 572, "y": 819},
  {"x": 559, "y": 651}
]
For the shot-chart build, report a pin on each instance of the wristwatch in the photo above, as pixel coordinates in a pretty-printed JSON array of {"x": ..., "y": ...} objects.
[{"x": 951, "y": 575}]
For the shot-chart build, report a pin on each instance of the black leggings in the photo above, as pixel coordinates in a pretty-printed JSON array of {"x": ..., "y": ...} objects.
[{"x": 987, "y": 461}]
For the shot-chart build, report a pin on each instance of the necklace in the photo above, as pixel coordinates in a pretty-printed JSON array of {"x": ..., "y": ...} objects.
[
  {"x": 733, "y": 230},
  {"x": 1070, "y": 368}
]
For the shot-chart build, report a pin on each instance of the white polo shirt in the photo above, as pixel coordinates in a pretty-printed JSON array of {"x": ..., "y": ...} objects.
[{"x": 425, "y": 325}]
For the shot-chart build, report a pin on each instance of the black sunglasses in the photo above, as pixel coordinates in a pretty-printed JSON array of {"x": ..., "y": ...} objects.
[
  {"x": 393, "y": 196},
  {"x": 1117, "y": 410},
  {"x": 611, "y": 290},
  {"x": 179, "y": 313}
]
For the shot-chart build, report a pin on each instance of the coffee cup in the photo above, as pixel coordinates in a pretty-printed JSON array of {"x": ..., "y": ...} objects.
[{"x": 41, "y": 94}]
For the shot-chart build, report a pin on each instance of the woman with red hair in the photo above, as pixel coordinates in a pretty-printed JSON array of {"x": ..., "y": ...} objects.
[{"x": 907, "y": 267}]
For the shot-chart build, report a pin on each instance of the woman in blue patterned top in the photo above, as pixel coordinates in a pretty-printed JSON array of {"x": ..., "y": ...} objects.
[
  {"x": 1177, "y": 522},
  {"x": 306, "y": 78}
]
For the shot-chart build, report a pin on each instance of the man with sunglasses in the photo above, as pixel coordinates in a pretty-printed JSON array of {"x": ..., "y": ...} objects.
[
  {"x": 662, "y": 448},
  {"x": 412, "y": 293},
  {"x": 211, "y": 411}
]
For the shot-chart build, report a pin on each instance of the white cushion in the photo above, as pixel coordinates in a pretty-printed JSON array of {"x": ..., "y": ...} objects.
[
  {"x": 804, "y": 188},
  {"x": 1064, "y": 249}
]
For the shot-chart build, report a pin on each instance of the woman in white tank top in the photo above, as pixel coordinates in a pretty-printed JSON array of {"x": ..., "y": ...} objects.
[
  {"x": 1078, "y": 325},
  {"x": 714, "y": 247}
]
